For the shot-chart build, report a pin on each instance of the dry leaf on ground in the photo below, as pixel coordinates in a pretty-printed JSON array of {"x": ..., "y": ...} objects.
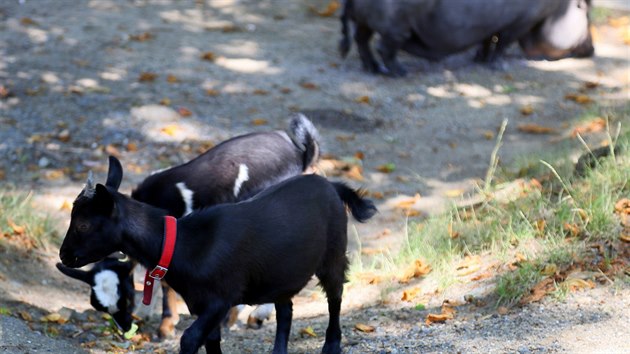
[
  {"x": 147, "y": 77},
  {"x": 539, "y": 291},
  {"x": 329, "y": 11},
  {"x": 596, "y": 125},
  {"x": 410, "y": 294},
  {"x": 308, "y": 331},
  {"x": 574, "y": 284},
  {"x": 209, "y": 56},
  {"x": 469, "y": 265},
  {"x": 527, "y": 110},
  {"x": 364, "y": 328},
  {"x": 259, "y": 121},
  {"x": 17, "y": 229},
  {"x": 416, "y": 270},
  {"x": 578, "y": 98},
  {"x": 535, "y": 129}
]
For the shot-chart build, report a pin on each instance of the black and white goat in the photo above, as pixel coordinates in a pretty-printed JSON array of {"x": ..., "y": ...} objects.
[
  {"x": 229, "y": 172},
  {"x": 264, "y": 249}
]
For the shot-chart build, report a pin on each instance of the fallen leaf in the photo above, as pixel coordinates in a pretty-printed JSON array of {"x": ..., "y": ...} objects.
[
  {"x": 64, "y": 136},
  {"x": 448, "y": 313},
  {"x": 572, "y": 229},
  {"x": 259, "y": 121},
  {"x": 52, "y": 317},
  {"x": 468, "y": 265},
  {"x": 132, "y": 147},
  {"x": 147, "y": 77},
  {"x": 619, "y": 21},
  {"x": 66, "y": 206},
  {"x": 574, "y": 284},
  {"x": 377, "y": 195},
  {"x": 141, "y": 37},
  {"x": 622, "y": 206},
  {"x": 17, "y": 229},
  {"x": 172, "y": 79},
  {"x": 549, "y": 269},
  {"x": 212, "y": 92},
  {"x": 308, "y": 331},
  {"x": 27, "y": 21},
  {"x": 184, "y": 112},
  {"x": 453, "y": 193},
  {"x": 596, "y": 125},
  {"x": 52, "y": 175},
  {"x": 539, "y": 291},
  {"x": 329, "y": 11},
  {"x": 260, "y": 92},
  {"x": 362, "y": 99},
  {"x": 345, "y": 138},
  {"x": 407, "y": 203},
  {"x": 535, "y": 129},
  {"x": 309, "y": 85},
  {"x": 589, "y": 85},
  {"x": 25, "y": 316},
  {"x": 578, "y": 98},
  {"x": 540, "y": 226},
  {"x": 165, "y": 102},
  {"x": 209, "y": 56},
  {"x": 488, "y": 135},
  {"x": 355, "y": 172},
  {"x": 416, "y": 270},
  {"x": 364, "y": 328},
  {"x": 410, "y": 294},
  {"x": 386, "y": 168},
  {"x": 502, "y": 310},
  {"x": 484, "y": 275},
  {"x": 171, "y": 130},
  {"x": 453, "y": 234},
  {"x": 412, "y": 213},
  {"x": 527, "y": 110}
]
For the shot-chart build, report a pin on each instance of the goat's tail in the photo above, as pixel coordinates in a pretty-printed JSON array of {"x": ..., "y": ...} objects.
[
  {"x": 362, "y": 209},
  {"x": 345, "y": 43},
  {"x": 306, "y": 137}
]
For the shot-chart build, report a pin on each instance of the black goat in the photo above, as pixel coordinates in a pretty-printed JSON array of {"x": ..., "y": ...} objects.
[
  {"x": 111, "y": 281},
  {"x": 231, "y": 171},
  {"x": 261, "y": 250}
]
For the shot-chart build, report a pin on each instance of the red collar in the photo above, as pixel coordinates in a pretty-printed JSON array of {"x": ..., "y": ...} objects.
[{"x": 168, "y": 246}]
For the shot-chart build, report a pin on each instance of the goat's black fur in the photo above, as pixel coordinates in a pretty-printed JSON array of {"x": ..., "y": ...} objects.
[
  {"x": 261, "y": 250},
  {"x": 270, "y": 157}
]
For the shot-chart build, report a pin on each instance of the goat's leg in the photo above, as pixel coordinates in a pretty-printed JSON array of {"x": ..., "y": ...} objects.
[
  {"x": 170, "y": 317},
  {"x": 362, "y": 37},
  {"x": 213, "y": 341},
  {"x": 332, "y": 279},
  {"x": 200, "y": 331},
  {"x": 284, "y": 315}
]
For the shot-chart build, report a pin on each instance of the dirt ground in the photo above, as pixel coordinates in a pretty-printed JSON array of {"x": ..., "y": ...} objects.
[{"x": 156, "y": 82}]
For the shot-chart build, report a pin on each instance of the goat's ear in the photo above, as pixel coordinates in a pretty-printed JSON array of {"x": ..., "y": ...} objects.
[
  {"x": 115, "y": 173},
  {"x": 79, "y": 274},
  {"x": 104, "y": 200}
]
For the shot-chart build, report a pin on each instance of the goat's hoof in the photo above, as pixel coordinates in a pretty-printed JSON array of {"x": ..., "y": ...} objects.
[
  {"x": 332, "y": 348},
  {"x": 254, "y": 323}
]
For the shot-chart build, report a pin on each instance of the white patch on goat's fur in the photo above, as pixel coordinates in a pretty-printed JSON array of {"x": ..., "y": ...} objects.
[
  {"x": 158, "y": 171},
  {"x": 106, "y": 289},
  {"x": 187, "y": 195},
  {"x": 262, "y": 312},
  {"x": 243, "y": 176}
]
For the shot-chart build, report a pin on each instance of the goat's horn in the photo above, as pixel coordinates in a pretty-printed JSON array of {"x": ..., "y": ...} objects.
[{"x": 89, "y": 185}]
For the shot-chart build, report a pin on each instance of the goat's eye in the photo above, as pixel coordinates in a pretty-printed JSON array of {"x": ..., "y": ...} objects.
[{"x": 83, "y": 227}]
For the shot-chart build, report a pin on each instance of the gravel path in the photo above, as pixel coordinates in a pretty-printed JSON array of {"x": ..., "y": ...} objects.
[{"x": 157, "y": 81}]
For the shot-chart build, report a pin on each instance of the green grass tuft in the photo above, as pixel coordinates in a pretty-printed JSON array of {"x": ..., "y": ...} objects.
[{"x": 17, "y": 208}]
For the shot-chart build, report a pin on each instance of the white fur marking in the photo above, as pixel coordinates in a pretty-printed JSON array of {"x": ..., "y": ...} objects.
[
  {"x": 243, "y": 176},
  {"x": 262, "y": 312},
  {"x": 187, "y": 195},
  {"x": 106, "y": 289}
]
